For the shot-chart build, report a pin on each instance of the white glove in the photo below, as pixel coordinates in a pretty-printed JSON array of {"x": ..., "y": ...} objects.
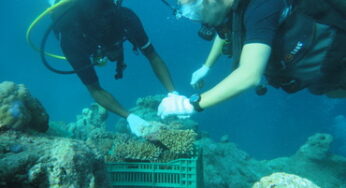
[
  {"x": 198, "y": 75},
  {"x": 175, "y": 104},
  {"x": 136, "y": 124}
]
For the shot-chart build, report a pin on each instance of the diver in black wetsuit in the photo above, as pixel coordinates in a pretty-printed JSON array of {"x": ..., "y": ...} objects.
[{"x": 94, "y": 31}]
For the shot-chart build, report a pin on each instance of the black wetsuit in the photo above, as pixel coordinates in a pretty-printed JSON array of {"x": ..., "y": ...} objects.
[
  {"x": 105, "y": 28},
  {"x": 261, "y": 21},
  {"x": 259, "y": 24}
]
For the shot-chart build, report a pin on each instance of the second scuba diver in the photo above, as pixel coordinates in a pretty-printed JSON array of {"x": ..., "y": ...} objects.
[{"x": 94, "y": 31}]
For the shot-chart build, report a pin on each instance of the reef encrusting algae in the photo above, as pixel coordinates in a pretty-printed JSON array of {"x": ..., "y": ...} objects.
[{"x": 19, "y": 110}]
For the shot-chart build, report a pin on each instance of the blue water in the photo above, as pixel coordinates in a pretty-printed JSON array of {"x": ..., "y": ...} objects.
[{"x": 269, "y": 126}]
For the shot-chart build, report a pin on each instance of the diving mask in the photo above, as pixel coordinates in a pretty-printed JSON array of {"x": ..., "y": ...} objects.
[{"x": 192, "y": 10}]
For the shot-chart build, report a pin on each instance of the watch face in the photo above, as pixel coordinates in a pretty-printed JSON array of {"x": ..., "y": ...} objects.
[{"x": 195, "y": 98}]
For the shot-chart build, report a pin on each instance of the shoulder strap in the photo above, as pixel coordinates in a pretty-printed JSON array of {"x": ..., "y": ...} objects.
[{"x": 238, "y": 10}]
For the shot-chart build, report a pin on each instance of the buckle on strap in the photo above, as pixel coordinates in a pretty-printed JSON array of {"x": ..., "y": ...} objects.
[{"x": 291, "y": 85}]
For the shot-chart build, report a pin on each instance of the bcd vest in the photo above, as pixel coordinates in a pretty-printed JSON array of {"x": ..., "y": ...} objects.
[{"x": 309, "y": 50}]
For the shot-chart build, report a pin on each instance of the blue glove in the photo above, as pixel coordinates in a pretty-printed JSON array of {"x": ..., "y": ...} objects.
[
  {"x": 136, "y": 124},
  {"x": 175, "y": 104}
]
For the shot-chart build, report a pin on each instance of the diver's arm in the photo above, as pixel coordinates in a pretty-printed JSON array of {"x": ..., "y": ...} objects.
[
  {"x": 159, "y": 67},
  {"x": 106, "y": 100},
  {"x": 215, "y": 51},
  {"x": 252, "y": 64}
]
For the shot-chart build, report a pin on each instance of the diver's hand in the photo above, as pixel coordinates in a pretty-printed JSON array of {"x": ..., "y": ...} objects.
[
  {"x": 197, "y": 77},
  {"x": 175, "y": 104},
  {"x": 136, "y": 124}
]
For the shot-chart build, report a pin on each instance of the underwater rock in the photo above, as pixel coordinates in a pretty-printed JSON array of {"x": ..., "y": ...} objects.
[
  {"x": 225, "y": 165},
  {"x": 317, "y": 147},
  {"x": 283, "y": 180},
  {"x": 19, "y": 110},
  {"x": 95, "y": 115},
  {"x": 314, "y": 162},
  {"x": 50, "y": 162},
  {"x": 91, "y": 119},
  {"x": 224, "y": 139},
  {"x": 103, "y": 141},
  {"x": 16, "y": 148}
]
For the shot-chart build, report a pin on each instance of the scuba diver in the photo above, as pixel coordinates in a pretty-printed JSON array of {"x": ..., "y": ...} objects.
[
  {"x": 290, "y": 44},
  {"x": 92, "y": 32}
]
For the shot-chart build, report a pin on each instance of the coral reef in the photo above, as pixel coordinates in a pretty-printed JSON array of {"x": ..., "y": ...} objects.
[
  {"x": 283, "y": 180},
  {"x": 134, "y": 150},
  {"x": 104, "y": 141},
  {"x": 146, "y": 108},
  {"x": 166, "y": 144},
  {"x": 36, "y": 160},
  {"x": 45, "y": 160},
  {"x": 314, "y": 161},
  {"x": 32, "y": 159},
  {"x": 19, "y": 110},
  {"x": 178, "y": 141},
  {"x": 91, "y": 119},
  {"x": 224, "y": 164},
  {"x": 317, "y": 147},
  {"x": 73, "y": 154},
  {"x": 174, "y": 137},
  {"x": 227, "y": 166},
  {"x": 90, "y": 126}
]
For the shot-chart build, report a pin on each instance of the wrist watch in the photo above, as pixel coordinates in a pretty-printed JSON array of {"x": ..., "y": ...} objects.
[{"x": 194, "y": 101}]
